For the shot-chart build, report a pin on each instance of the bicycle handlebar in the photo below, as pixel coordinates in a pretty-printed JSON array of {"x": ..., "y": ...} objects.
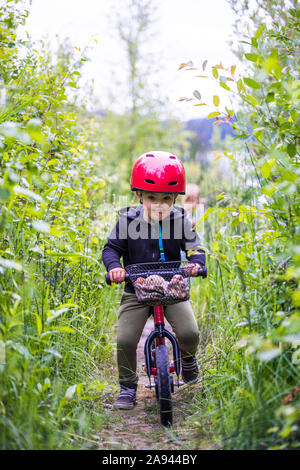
[
  {"x": 108, "y": 281},
  {"x": 202, "y": 272}
]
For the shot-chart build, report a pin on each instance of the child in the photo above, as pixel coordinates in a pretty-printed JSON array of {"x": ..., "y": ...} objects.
[{"x": 153, "y": 231}]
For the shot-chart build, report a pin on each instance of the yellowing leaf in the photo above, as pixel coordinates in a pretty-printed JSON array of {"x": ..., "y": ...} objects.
[
  {"x": 216, "y": 100},
  {"x": 53, "y": 161},
  {"x": 215, "y": 246},
  {"x": 215, "y": 72},
  {"x": 230, "y": 112},
  {"x": 73, "y": 150},
  {"x": 213, "y": 114},
  {"x": 185, "y": 64}
]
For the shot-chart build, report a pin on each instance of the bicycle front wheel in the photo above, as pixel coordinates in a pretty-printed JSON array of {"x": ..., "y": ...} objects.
[{"x": 164, "y": 385}]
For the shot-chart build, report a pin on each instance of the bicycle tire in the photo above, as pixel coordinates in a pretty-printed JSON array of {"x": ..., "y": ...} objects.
[{"x": 164, "y": 385}]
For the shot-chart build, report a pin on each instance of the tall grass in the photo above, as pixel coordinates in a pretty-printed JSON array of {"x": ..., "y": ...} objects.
[
  {"x": 248, "y": 369},
  {"x": 56, "y": 360}
]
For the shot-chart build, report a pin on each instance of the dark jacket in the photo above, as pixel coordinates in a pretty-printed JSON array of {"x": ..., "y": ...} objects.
[{"x": 136, "y": 240}]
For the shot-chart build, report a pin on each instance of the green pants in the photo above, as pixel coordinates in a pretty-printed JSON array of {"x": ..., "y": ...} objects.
[{"x": 132, "y": 317}]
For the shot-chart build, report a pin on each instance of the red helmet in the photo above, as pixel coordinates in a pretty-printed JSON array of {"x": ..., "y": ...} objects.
[{"x": 158, "y": 171}]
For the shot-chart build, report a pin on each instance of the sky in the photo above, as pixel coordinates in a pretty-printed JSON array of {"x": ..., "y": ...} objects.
[{"x": 183, "y": 30}]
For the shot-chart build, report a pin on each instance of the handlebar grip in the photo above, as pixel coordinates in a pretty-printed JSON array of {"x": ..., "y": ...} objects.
[
  {"x": 108, "y": 281},
  {"x": 202, "y": 272}
]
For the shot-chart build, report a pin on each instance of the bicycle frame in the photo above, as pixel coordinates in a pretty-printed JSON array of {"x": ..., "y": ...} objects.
[
  {"x": 159, "y": 365},
  {"x": 159, "y": 334}
]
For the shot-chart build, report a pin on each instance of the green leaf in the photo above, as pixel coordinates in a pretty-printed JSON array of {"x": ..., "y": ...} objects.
[
  {"x": 4, "y": 194},
  {"x": 265, "y": 170},
  {"x": 253, "y": 58},
  {"x": 294, "y": 115},
  {"x": 291, "y": 150},
  {"x": 259, "y": 32},
  {"x": 252, "y": 100},
  {"x": 240, "y": 85},
  {"x": 269, "y": 190},
  {"x": 223, "y": 85},
  {"x": 39, "y": 324},
  {"x": 241, "y": 259},
  {"x": 252, "y": 83},
  {"x": 66, "y": 329},
  {"x": 235, "y": 222},
  {"x": 53, "y": 161},
  {"x": 207, "y": 212},
  {"x": 272, "y": 66},
  {"x": 259, "y": 133}
]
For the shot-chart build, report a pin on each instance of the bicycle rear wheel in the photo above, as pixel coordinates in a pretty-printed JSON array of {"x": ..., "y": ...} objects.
[{"x": 164, "y": 385}]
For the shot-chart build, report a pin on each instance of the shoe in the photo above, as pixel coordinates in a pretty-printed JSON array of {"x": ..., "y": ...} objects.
[
  {"x": 127, "y": 398},
  {"x": 189, "y": 370}
]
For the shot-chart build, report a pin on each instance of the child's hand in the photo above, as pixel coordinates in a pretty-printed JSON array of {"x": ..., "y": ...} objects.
[
  {"x": 117, "y": 275},
  {"x": 195, "y": 268}
]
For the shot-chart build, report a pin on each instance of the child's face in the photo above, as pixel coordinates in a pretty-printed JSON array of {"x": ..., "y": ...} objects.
[{"x": 157, "y": 205}]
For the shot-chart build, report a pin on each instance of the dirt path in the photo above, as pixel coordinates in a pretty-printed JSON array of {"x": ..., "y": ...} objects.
[{"x": 140, "y": 429}]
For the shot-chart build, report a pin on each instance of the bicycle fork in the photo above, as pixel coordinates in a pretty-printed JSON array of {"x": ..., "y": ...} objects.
[{"x": 159, "y": 335}]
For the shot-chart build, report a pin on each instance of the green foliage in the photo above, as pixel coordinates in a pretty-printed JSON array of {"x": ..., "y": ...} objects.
[
  {"x": 252, "y": 295},
  {"x": 60, "y": 168},
  {"x": 54, "y": 327}
]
